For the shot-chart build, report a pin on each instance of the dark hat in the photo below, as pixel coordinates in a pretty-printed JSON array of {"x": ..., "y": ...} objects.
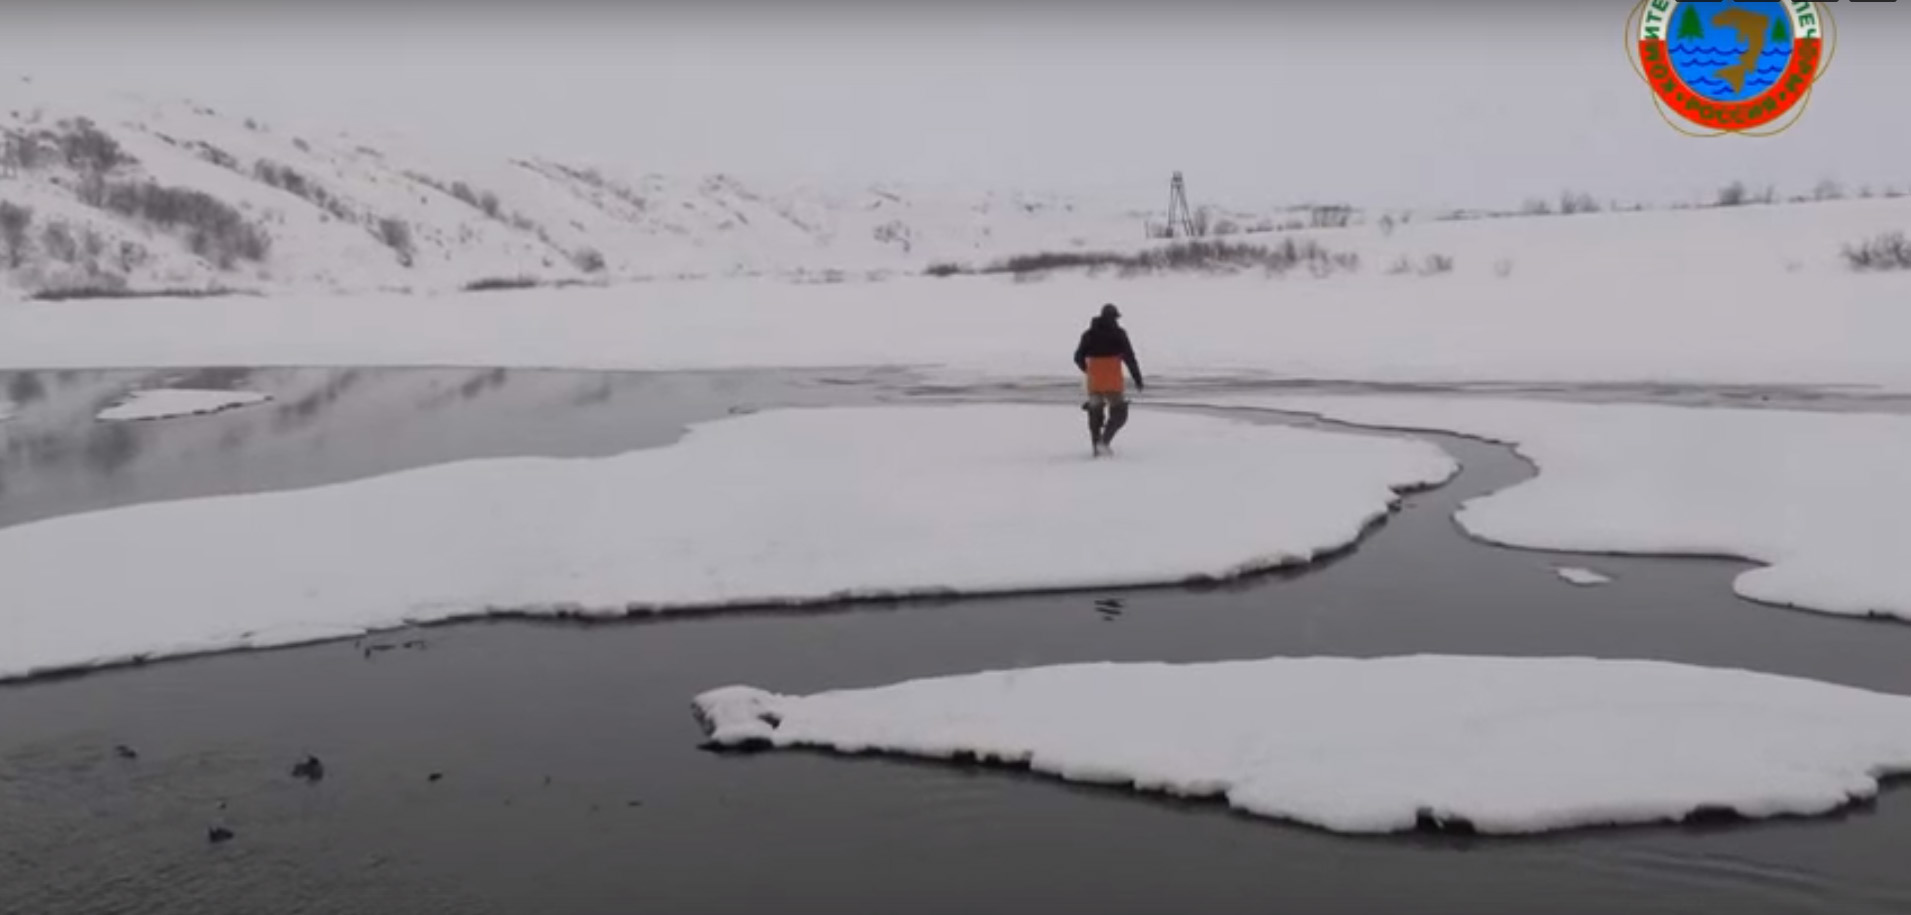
[{"x": 1110, "y": 311}]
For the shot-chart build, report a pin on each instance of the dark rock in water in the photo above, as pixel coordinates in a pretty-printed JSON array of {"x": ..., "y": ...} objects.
[
  {"x": 1713, "y": 815},
  {"x": 435, "y": 777},
  {"x": 1426, "y": 820},
  {"x": 218, "y": 834},
  {"x": 547, "y": 781},
  {"x": 745, "y": 747},
  {"x": 633, "y": 803},
  {"x": 309, "y": 769},
  {"x": 125, "y": 752}
]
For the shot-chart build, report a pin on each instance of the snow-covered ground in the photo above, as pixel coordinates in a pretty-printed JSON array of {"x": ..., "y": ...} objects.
[
  {"x": 1569, "y": 327},
  {"x": 1753, "y": 294},
  {"x": 780, "y": 507},
  {"x": 1505, "y": 745},
  {"x": 165, "y": 403},
  {"x": 1817, "y": 498},
  {"x": 1584, "y": 577}
]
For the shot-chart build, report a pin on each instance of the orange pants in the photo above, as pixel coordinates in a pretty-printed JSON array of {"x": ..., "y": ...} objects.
[{"x": 1104, "y": 375}]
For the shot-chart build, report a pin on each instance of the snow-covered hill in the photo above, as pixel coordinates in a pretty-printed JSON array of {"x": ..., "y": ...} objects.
[{"x": 147, "y": 194}]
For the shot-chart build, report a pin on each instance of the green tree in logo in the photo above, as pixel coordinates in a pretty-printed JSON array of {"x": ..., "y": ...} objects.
[
  {"x": 1778, "y": 30},
  {"x": 1691, "y": 27}
]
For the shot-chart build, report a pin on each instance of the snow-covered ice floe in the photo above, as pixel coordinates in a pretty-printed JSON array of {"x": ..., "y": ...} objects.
[
  {"x": 783, "y": 507},
  {"x": 1582, "y": 576},
  {"x": 1817, "y": 498},
  {"x": 165, "y": 403},
  {"x": 1496, "y": 745}
]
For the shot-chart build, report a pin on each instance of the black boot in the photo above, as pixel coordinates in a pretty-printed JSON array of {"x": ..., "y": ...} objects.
[
  {"x": 1096, "y": 420},
  {"x": 1117, "y": 418}
]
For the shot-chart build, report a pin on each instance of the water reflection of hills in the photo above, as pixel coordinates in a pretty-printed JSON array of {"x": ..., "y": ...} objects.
[{"x": 334, "y": 425}]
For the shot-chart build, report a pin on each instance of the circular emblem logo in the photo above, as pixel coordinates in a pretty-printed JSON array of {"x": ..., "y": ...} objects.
[{"x": 1730, "y": 66}]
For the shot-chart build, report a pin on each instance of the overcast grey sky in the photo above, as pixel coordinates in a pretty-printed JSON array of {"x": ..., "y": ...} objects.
[{"x": 1432, "y": 103}]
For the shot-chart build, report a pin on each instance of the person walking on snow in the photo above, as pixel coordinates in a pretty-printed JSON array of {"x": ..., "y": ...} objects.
[{"x": 1103, "y": 350}]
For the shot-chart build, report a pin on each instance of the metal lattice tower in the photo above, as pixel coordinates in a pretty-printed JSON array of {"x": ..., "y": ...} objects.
[{"x": 1180, "y": 218}]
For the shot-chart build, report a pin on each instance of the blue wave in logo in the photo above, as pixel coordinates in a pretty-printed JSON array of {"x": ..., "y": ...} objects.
[
  {"x": 1733, "y": 50},
  {"x": 1703, "y": 62}
]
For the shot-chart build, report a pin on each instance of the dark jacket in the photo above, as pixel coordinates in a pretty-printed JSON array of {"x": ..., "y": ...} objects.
[{"x": 1104, "y": 337}]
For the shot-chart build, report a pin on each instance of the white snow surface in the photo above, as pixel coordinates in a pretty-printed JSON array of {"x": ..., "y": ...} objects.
[
  {"x": 1817, "y": 498},
  {"x": 814, "y": 277},
  {"x": 1785, "y": 330},
  {"x": 1367, "y": 746},
  {"x": 1582, "y": 576},
  {"x": 782, "y": 507},
  {"x": 164, "y": 403}
]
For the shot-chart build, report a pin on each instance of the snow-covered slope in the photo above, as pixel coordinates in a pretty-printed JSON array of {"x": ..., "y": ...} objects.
[{"x": 353, "y": 214}]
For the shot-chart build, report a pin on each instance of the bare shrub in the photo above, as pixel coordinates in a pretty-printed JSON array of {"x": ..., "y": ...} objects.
[
  {"x": 396, "y": 235},
  {"x": 59, "y": 244},
  {"x": 1401, "y": 266},
  {"x": 1337, "y": 216},
  {"x": 1573, "y": 203},
  {"x": 1503, "y": 268},
  {"x": 1733, "y": 195},
  {"x": 895, "y": 232},
  {"x": 1054, "y": 260},
  {"x": 1536, "y": 207},
  {"x": 497, "y": 283},
  {"x": 216, "y": 156},
  {"x": 589, "y": 260},
  {"x": 22, "y": 153},
  {"x": 945, "y": 269},
  {"x": 1828, "y": 190},
  {"x": 1190, "y": 256},
  {"x": 1889, "y": 251},
  {"x": 88, "y": 149},
  {"x": 283, "y": 177},
  {"x": 1436, "y": 264},
  {"x": 292, "y": 181},
  {"x": 14, "y": 222},
  {"x": 214, "y": 229},
  {"x": 1386, "y": 225},
  {"x": 115, "y": 288},
  {"x": 463, "y": 192}
]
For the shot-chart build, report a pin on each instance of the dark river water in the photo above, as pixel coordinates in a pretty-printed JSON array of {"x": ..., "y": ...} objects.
[{"x": 568, "y": 777}]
